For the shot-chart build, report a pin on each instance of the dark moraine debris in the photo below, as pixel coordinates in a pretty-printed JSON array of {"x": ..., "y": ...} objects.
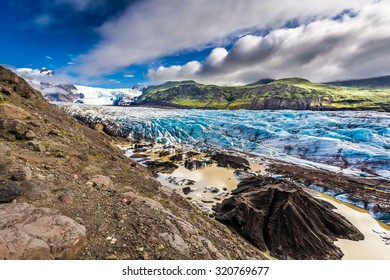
[
  {"x": 183, "y": 156},
  {"x": 224, "y": 160},
  {"x": 161, "y": 166},
  {"x": 280, "y": 216},
  {"x": 194, "y": 164},
  {"x": 186, "y": 190}
]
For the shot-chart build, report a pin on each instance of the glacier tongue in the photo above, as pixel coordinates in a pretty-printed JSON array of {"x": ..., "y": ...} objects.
[{"x": 357, "y": 142}]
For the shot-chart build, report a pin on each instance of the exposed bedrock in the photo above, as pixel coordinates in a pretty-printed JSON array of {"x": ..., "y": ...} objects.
[
  {"x": 278, "y": 215},
  {"x": 27, "y": 232}
]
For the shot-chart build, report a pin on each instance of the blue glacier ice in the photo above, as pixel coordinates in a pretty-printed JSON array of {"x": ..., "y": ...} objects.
[{"x": 352, "y": 141}]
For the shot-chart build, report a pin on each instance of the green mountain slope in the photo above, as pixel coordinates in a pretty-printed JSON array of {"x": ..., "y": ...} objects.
[
  {"x": 377, "y": 82},
  {"x": 291, "y": 93}
]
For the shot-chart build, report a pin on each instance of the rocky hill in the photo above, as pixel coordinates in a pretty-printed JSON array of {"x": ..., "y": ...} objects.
[
  {"x": 292, "y": 93},
  {"x": 374, "y": 83},
  {"x": 67, "y": 192}
]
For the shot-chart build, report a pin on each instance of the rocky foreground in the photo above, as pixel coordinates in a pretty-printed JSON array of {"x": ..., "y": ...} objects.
[{"x": 66, "y": 192}]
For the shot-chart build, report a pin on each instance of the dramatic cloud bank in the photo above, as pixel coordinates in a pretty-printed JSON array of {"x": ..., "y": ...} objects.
[
  {"x": 352, "y": 46},
  {"x": 155, "y": 28}
]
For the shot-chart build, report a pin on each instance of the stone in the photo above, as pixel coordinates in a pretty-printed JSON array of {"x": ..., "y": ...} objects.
[
  {"x": 7, "y": 135},
  {"x": 112, "y": 257},
  {"x": 242, "y": 175},
  {"x": 146, "y": 256},
  {"x": 278, "y": 215},
  {"x": 35, "y": 123},
  {"x": 231, "y": 161},
  {"x": 139, "y": 155},
  {"x": 186, "y": 190},
  {"x": 5, "y": 166},
  {"x": 139, "y": 249},
  {"x": 180, "y": 181},
  {"x": 65, "y": 198},
  {"x": 161, "y": 166},
  {"x": 30, "y": 135},
  {"x": 21, "y": 174},
  {"x": 14, "y": 126},
  {"x": 103, "y": 227},
  {"x": 176, "y": 241},
  {"x": 167, "y": 151},
  {"x": 142, "y": 147},
  {"x": 98, "y": 127},
  {"x": 5, "y": 90},
  {"x": 54, "y": 132},
  {"x": 27, "y": 232},
  {"x": 12, "y": 112},
  {"x": 35, "y": 190},
  {"x": 36, "y": 146},
  {"x": 194, "y": 164},
  {"x": 102, "y": 181},
  {"x": 9, "y": 190},
  {"x": 212, "y": 189}
]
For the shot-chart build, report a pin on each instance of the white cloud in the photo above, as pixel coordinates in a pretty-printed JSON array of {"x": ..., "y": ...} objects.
[
  {"x": 128, "y": 76},
  {"x": 49, "y": 57},
  {"x": 322, "y": 50},
  {"x": 155, "y": 28}
]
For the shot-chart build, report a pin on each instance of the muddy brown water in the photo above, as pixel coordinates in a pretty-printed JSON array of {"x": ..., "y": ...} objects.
[{"x": 371, "y": 248}]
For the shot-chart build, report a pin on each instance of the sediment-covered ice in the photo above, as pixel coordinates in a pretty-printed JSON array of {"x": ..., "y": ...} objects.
[{"x": 352, "y": 141}]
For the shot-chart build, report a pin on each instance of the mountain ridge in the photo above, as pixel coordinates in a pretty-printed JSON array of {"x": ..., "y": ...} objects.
[
  {"x": 287, "y": 93},
  {"x": 374, "y": 82}
]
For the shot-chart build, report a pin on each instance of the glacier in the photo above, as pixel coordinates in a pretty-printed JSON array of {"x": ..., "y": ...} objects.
[
  {"x": 352, "y": 142},
  {"x": 54, "y": 89}
]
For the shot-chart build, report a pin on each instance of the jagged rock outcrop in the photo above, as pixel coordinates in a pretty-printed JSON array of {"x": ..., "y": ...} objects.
[
  {"x": 27, "y": 232},
  {"x": 279, "y": 216}
]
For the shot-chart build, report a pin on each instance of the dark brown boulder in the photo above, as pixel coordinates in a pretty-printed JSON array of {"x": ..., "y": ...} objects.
[
  {"x": 279, "y": 216},
  {"x": 230, "y": 161},
  {"x": 161, "y": 166}
]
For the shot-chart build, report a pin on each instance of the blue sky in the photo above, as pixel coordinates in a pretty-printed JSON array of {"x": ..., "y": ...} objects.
[{"x": 121, "y": 43}]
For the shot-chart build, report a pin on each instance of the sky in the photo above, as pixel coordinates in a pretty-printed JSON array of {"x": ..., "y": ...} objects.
[{"x": 122, "y": 43}]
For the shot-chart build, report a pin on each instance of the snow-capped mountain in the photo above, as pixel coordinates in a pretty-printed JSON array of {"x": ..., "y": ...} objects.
[{"x": 44, "y": 80}]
